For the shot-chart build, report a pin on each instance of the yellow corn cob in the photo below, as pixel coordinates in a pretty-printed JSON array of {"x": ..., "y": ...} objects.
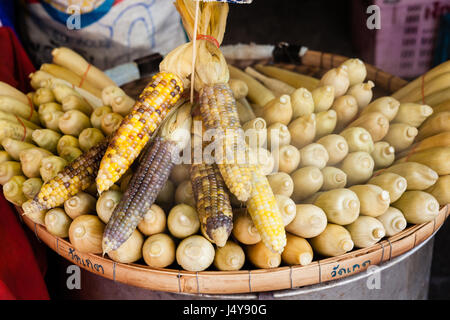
[
  {"x": 136, "y": 129},
  {"x": 75, "y": 177},
  {"x": 262, "y": 207},
  {"x": 218, "y": 110}
]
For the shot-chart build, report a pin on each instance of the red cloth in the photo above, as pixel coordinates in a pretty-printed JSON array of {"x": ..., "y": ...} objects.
[
  {"x": 15, "y": 65},
  {"x": 21, "y": 267}
]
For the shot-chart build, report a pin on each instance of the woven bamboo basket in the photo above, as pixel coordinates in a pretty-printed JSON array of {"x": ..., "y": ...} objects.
[{"x": 257, "y": 280}]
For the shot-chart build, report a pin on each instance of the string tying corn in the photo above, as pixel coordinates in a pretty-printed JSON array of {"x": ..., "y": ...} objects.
[
  {"x": 218, "y": 110},
  {"x": 136, "y": 129},
  {"x": 262, "y": 207},
  {"x": 144, "y": 186},
  {"x": 75, "y": 177}
]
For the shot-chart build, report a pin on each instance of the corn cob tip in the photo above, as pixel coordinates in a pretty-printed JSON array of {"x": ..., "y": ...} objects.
[
  {"x": 220, "y": 236},
  {"x": 32, "y": 207},
  {"x": 107, "y": 246}
]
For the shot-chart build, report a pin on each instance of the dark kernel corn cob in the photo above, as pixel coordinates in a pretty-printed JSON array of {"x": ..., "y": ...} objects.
[
  {"x": 75, "y": 177},
  {"x": 218, "y": 110},
  {"x": 150, "y": 177},
  {"x": 262, "y": 207},
  {"x": 212, "y": 202},
  {"x": 155, "y": 101}
]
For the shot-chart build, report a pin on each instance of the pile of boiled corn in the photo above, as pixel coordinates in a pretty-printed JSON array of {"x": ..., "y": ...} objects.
[
  {"x": 335, "y": 169},
  {"x": 327, "y": 168}
]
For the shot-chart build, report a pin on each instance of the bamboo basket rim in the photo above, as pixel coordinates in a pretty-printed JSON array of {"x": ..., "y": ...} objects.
[
  {"x": 256, "y": 280},
  {"x": 243, "y": 281}
]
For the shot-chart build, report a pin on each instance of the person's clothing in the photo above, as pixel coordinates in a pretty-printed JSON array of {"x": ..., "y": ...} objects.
[{"x": 106, "y": 32}]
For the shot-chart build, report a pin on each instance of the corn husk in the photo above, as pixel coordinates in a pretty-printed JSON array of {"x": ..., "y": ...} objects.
[
  {"x": 90, "y": 137},
  {"x": 37, "y": 216},
  {"x": 356, "y": 70},
  {"x": 436, "y": 158},
  {"x": 333, "y": 178},
  {"x": 130, "y": 251},
  {"x": 302, "y": 102},
  {"x": 31, "y": 187},
  {"x": 297, "y": 251},
  {"x": 106, "y": 203},
  {"x": 287, "y": 208},
  {"x": 325, "y": 123},
  {"x": 51, "y": 166},
  {"x": 337, "y": 78},
  {"x": 262, "y": 257},
  {"x": 239, "y": 88},
  {"x": 9, "y": 169},
  {"x": 57, "y": 222},
  {"x": 67, "y": 141},
  {"x": 278, "y": 110},
  {"x": 374, "y": 122},
  {"x": 255, "y": 132},
  {"x": 281, "y": 183},
  {"x": 401, "y": 136},
  {"x": 417, "y": 206},
  {"x": 336, "y": 146},
  {"x": 341, "y": 206},
  {"x": 437, "y": 123},
  {"x": 307, "y": 181},
  {"x": 244, "y": 230},
  {"x": 334, "y": 241},
  {"x": 366, "y": 231},
  {"x": 346, "y": 108},
  {"x": 278, "y": 135},
  {"x": 323, "y": 97},
  {"x": 46, "y": 138},
  {"x": 362, "y": 92},
  {"x": 287, "y": 159},
  {"x": 358, "y": 166},
  {"x": 441, "y": 190},
  {"x": 412, "y": 114},
  {"x": 86, "y": 234},
  {"x": 383, "y": 154},
  {"x": 210, "y": 66},
  {"x": 374, "y": 201},
  {"x": 358, "y": 139},
  {"x": 15, "y": 147},
  {"x": 153, "y": 222},
  {"x": 97, "y": 115},
  {"x": 309, "y": 221},
  {"x": 13, "y": 190},
  {"x": 418, "y": 176},
  {"x": 438, "y": 140},
  {"x": 182, "y": 221},
  {"x": 393, "y": 221},
  {"x": 303, "y": 130},
  {"x": 230, "y": 257},
  {"x": 387, "y": 106},
  {"x": 158, "y": 250},
  {"x": 392, "y": 183},
  {"x": 195, "y": 253},
  {"x": 314, "y": 155}
]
